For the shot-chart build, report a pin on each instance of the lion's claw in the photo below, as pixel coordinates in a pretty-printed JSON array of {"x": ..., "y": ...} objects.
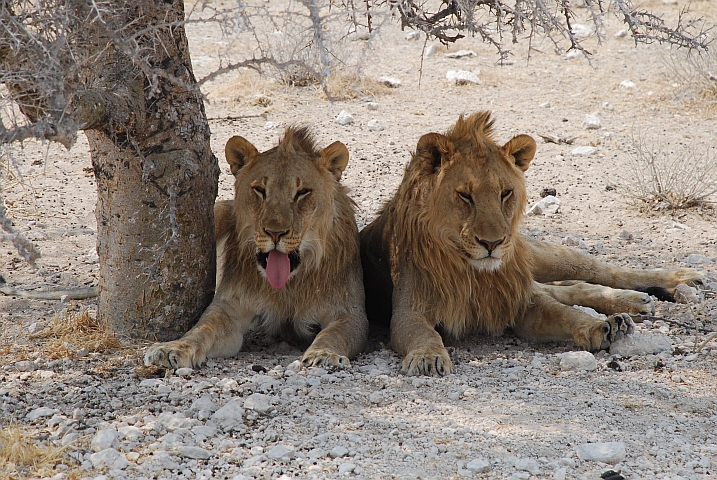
[
  {"x": 324, "y": 358},
  {"x": 429, "y": 362}
]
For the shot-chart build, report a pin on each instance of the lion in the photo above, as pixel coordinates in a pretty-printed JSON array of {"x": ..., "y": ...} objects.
[
  {"x": 446, "y": 253},
  {"x": 289, "y": 259}
]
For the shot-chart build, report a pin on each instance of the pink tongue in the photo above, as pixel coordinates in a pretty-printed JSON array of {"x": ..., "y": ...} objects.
[{"x": 278, "y": 269}]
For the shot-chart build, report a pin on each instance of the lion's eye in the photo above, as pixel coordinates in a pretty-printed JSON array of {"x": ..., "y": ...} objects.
[
  {"x": 506, "y": 195},
  {"x": 301, "y": 194},
  {"x": 466, "y": 197},
  {"x": 259, "y": 191}
]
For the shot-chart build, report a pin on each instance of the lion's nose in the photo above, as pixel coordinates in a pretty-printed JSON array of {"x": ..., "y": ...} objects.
[
  {"x": 276, "y": 236},
  {"x": 490, "y": 246}
]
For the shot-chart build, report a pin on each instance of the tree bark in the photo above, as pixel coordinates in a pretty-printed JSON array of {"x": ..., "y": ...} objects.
[{"x": 156, "y": 179}]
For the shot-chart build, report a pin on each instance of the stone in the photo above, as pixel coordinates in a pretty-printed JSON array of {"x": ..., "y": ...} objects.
[
  {"x": 92, "y": 256},
  {"x": 413, "y": 36},
  {"x": 151, "y": 383},
  {"x": 281, "y": 452},
  {"x": 641, "y": 344},
  {"x": 585, "y": 151},
  {"x": 560, "y": 473},
  {"x": 591, "y": 122},
  {"x": 259, "y": 403},
  {"x": 161, "y": 460},
  {"x": 608, "y": 452},
  {"x": 430, "y": 50},
  {"x": 104, "y": 439},
  {"x": 574, "y": 54},
  {"x": 41, "y": 412},
  {"x": 392, "y": 82},
  {"x": 344, "y": 118},
  {"x": 173, "y": 421},
  {"x": 627, "y": 85},
  {"x": 375, "y": 125},
  {"x": 573, "y": 361},
  {"x": 625, "y": 235},
  {"x": 70, "y": 438},
  {"x": 372, "y": 105},
  {"x": 272, "y": 125},
  {"x": 461, "y": 54},
  {"x": 478, "y": 465},
  {"x": 621, "y": 33},
  {"x": 131, "y": 433},
  {"x": 462, "y": 77},
  {"x": 196, "y": 453},
  {"x": 109, "y": 458},
  {"x": 347, "y": 467},
  {"x": 205, "y": 403},
  {"x": 686, "y": 294},
  {"x": 528, "y": 465},
  {"x": 26, "y": 366},
  {"x": 184, "y": 372},
  {"x": 581, "y": 31},
  {"x": 696, "y": 259},
  {"x": 338, "y": 452},
  {"x": 549, "y": 205},
  {"x": 230, "y": 416}
]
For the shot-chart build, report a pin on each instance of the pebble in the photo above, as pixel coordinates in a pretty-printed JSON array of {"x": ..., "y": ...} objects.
[
  {"x": 109, "y": 458},
  {"x": 26, "y": 366},
  {"x": 338, "y": 452},
  {"x": 196, "y": 453},
  {"x": 574, "y": 54},
  {"x": 347, "y": 467},
  {"x": 104, "y": 439},
  {"x": 259, "y": 403},
  {"x": 608, "y": 452},
  {"x": 581, "y": 31},
  {"x": 549, "y": 205},
  {"x": 572, "y": 361},
  {"x": 375, "y": 125},
  {"x": 372, "y": 105},
  {"x": 281, "y": 452},
  {"x": 641, "y": 344},
  {"x": 392, "y": 82},
  {"x": 462, "y": 77},
  {"x": 184, "y": 372},
  {"x": 591, "y": 122},
  {"x": 41, "y": 412},
  {"x": 151, "y": 383},
  {"x": 697, "y": 259},
  {"x": 528, "y": 465},
  {"x": 478, "y": 465},
  {"x": 461, "y": 54},
  {"x": 621, "y": 33},
  {"x": 430, "y": 51},
  {"x": 627, "y": 84},
  {"x": 584, "y": 151},
  {"x": 230, "y": 416},
  {"x": 686, "y": 294},
  {"x": 344, "y": 118}
]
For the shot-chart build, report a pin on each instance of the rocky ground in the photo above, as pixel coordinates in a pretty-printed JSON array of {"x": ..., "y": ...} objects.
[{"x": 511, "y": 410}]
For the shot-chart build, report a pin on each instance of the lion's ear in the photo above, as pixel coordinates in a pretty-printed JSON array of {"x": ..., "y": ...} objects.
[
  {"x": 239, "y": 151},
  {"x": 522, "y": 149},
  {"x": 433, "y": 150},
  {"x": 334, "y": 158}
]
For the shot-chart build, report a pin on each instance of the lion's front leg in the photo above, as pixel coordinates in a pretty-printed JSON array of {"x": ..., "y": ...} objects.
[
  {"x": 219, "y": 333},
  {"x": 547, "y": 320},
  {"x": 340, "y": 340},
  {"x": 605, "y": 300}
]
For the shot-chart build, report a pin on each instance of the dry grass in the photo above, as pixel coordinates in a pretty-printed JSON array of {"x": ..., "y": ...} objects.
[
  {"x": 697, "y": 74},
  {"x": 343, "y": 86},
  {"x": 72, "y": 332},
  {"x": 678, "y": 178},
  {"x": 21, "y": 454}
]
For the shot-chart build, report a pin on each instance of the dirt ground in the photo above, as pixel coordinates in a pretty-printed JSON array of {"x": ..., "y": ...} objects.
[{"x": 548, "y": 94}]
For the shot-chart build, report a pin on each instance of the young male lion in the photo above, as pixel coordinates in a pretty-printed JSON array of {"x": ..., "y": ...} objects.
[
  {"x": 446, "y": 252},
  {"x": 289, "y": 256}
]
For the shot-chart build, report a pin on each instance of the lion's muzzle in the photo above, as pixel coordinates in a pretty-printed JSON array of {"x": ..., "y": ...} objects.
[{"x": 278, "y": 266}]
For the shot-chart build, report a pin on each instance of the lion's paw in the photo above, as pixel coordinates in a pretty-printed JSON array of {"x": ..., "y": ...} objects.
[
  {"x": 619, "y": 326},
  {"x": 177, "y": 354},
  {"x": 320, "y": 357},
  {"x": 689, "y": 276},
  {"x": 634, "y": 303},
  {"x": 427, "y": 361}
]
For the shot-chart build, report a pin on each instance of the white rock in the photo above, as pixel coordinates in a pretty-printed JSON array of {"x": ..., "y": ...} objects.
[
  {"x": 462, "y": 77},
  {"x": 591, "y": 122},
  {"x": 258, "y": 402},
  {"x": 109, "y": 458},
  {"x": 577, "y": 361},
  {"x": 430, "y": 50},
  {"x": 338, "y": 452},
  {"x": 574, "y": 54},
  {"x": 151, "y": 383},
  {"x": 104, "y": 439},
  {"x": 547, "y": 206},
  {"x": 70, "y": 438},
  {"x": 560, "y": 473},
  {"x": 375, "y": 398},
  {"x": 281, "y": 451},
  {"x": 230, "y": 416},
  {"x": 41, "y": 413},
  {"x": 294, "y": 366},
  {"x": 161, "y": 460},
  {"x": 686, "y": 294},
  {"x": 608, "y": 106},
  {"x": 130, "y": 433},
  {"x": 26, "y": 366},
  {"x": 478, "y": 465},
  {"x": 372, "y": 105},
  {"x": 375, "y": 125},
  {"x": 271, "y": 125},
  {"x": 173, "y": 421},
  {"x": 344, "y": 118},
  {"x": 627, "y": 84},
  {"x": 461, "y": 54},
  {"x": 608, "y": 452},
  {"x": 584, "y": 151},
  {"x": 205, "y": 403},
  {"x": 413, "y": 35},
  {"x": 696, "y": 259},
  {"x": 545, "y": 105},
  {"x": 528, "y": 465},
  {"x": 92, "y": 256},
  {"x": 196, "y": 453},
  {"x": 347, "y": 467},
  {"x": 184, "y": 372},
  {"x": 620, "y": 33},
  {"x": 392, "y": 82},
  {"x": 581, "y": 31},
  {"x": 641, "y": 344}
]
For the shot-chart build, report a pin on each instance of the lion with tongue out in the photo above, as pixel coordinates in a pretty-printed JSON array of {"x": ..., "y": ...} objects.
[{"x": 288, "y": 256}]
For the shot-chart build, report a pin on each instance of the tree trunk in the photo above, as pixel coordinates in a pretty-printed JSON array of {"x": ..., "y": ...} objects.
[{"x": 156, "y": 179}]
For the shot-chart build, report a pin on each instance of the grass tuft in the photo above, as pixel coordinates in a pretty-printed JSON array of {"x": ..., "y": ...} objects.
[{"x": 21, "y": 454}]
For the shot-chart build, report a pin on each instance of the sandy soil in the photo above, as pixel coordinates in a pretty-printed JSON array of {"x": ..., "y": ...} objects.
[{"x": 520, "y": 405}]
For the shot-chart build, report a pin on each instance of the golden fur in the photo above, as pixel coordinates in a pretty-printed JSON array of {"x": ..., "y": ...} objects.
[
  {"x": 446, "y": 252},
  {"x": 287, "y": 199}
]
